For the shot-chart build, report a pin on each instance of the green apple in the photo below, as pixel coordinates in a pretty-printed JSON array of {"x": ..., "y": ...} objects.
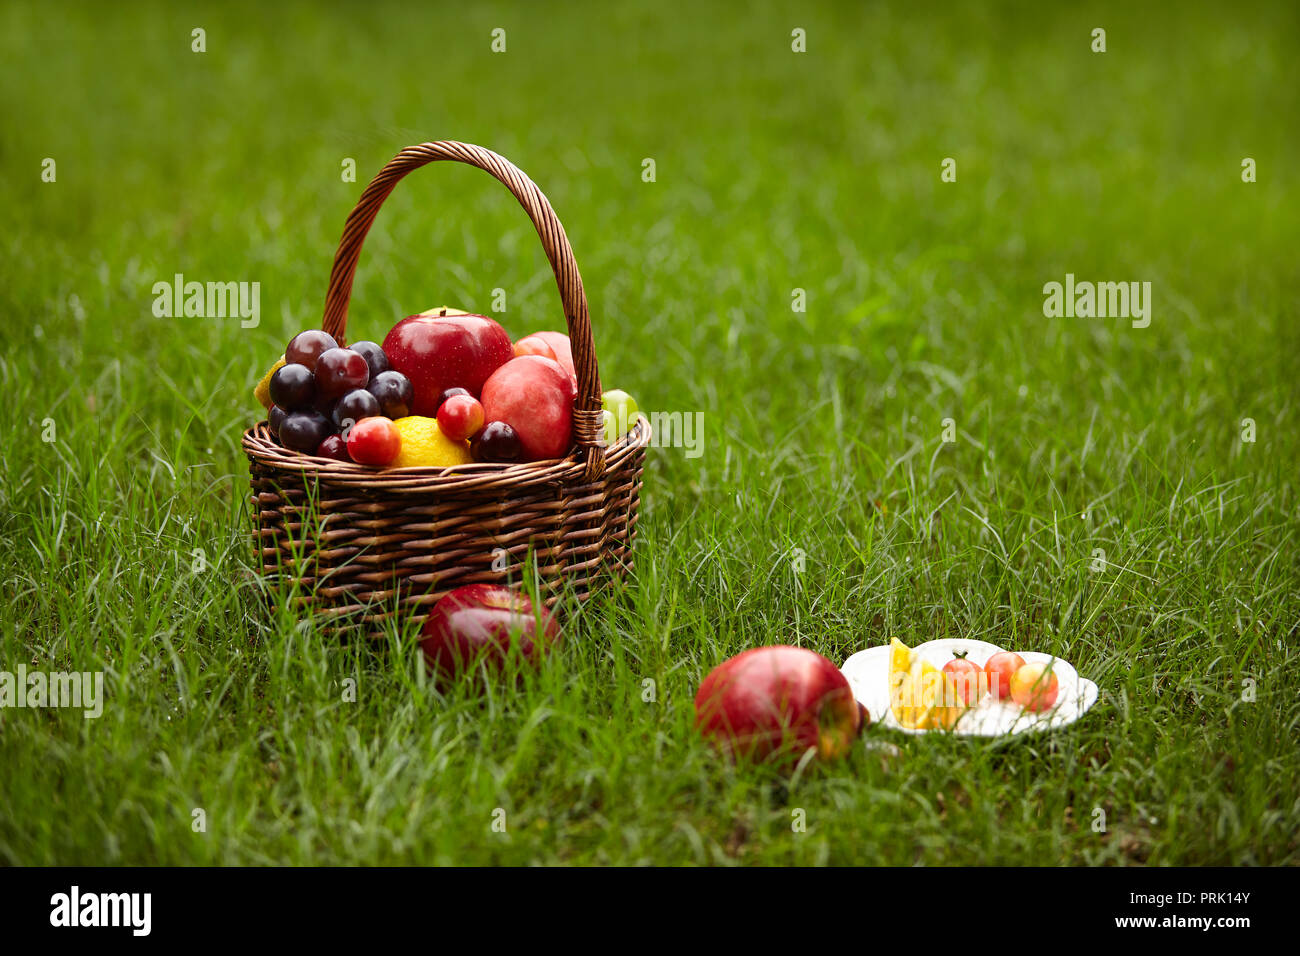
[{"x": 619, "y": 412}]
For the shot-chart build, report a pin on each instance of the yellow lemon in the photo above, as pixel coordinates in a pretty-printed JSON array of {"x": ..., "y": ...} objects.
[
  {"x": 263, "y": 391},
  {"x": 424, "y": 446}
]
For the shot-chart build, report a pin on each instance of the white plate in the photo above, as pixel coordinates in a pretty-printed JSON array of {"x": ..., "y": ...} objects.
[{"x": 868, "y": 675}]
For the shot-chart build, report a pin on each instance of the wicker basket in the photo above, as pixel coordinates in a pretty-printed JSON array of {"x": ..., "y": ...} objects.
[{"x": 365, "y": 544}]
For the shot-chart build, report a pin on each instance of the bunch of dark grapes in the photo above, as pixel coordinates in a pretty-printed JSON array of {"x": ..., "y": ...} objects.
[{"x": 322, "y": 390}]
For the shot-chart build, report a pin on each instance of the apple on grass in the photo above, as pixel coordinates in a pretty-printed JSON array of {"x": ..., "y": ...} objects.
[
  {"x": 485, "y": 622},
  {"x": 534, "y": 396},
  {"x": 438, "y": 352},
  {"x": 778, "y": 699}
]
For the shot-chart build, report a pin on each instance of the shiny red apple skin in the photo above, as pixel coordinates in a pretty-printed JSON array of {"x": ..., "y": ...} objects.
[
  {"x": 778, "y": 699},
  {"x": 559, "y": 344},
  {"x": 532, "y": 345},
  {"x": 438, "y": 352},
  {"x": 533, "y": 396},
  {"x": 480, "y": 621}
]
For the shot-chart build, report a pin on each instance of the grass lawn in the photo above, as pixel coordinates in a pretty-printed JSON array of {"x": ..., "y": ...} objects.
[{"x": 826, "y": 509}]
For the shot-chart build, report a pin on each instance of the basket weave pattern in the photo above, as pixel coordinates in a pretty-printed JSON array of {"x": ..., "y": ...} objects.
[{"x": 367, "y": 543}]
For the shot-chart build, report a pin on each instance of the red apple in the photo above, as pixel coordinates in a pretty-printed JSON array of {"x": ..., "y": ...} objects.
[
  {"x": 1034, "y": 687},
  {"x": 438, "y": 352},
  {"x": 770, "y": 699},
  {"x": 534, "y": 396},
  {"x": 483, "y": 621},
  {"x": 557, "y": 343},
  {"x": 533, "y": 345},
  {"x": 1001, "y": 667}
]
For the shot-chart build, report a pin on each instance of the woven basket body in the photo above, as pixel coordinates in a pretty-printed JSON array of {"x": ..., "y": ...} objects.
[{"x": 363, "y": 544}]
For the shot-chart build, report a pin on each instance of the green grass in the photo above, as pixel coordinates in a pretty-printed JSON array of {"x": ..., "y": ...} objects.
[{"x": 775, "y": 171}]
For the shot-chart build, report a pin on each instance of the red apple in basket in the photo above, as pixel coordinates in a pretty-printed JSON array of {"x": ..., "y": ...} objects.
[
  {"x": 438, "y": 352},
  {"x": 550, "y": 345},
  {"x": 481, "y": 622},
  {"x": 534, "y": 396},
  {"x": 769, "y": 699},
  {"x": 534, "y": 345}
]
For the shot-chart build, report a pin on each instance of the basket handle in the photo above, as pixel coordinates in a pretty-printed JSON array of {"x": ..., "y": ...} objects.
[{"x": 587, "y": 424}]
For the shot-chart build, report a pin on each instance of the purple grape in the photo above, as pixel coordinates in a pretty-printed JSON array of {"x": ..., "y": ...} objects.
[
  {"x": 274, "y": 418},
  {"x": 305, "y": 347},
  {"x": 325, "y": 405},
  {"x": 354, "y": 406},
  {"x": 334, "y": 447},
  {"x": 394, "y": 392},
  {"x": 339, "y": 371},
  {"x": 449, "y": 393},
  {"x": 497, "y": 442},
  {"x": 304, "y": 431},
  {"x": 374, "y": 356},
  {"x": 293, "y": 387}
]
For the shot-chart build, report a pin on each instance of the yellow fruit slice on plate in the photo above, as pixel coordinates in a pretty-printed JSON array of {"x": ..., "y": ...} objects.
[
  {"x": 900, "y": 657},
  {"x": 904, "y": 689},
  {"x": 918, "y": 690}
]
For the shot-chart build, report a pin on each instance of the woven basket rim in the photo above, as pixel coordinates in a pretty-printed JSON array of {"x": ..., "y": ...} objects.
[{"x": 260, "y": 446}]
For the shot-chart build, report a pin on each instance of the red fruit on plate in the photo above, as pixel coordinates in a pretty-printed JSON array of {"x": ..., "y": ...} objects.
[
  {"x": 1034, "y": 687},
  {"x": 484, "y": 621},
  {"x": 438, "y": 352},
  {"x": 374, "y": 441},
  {"x": 965, "y": 681},
  {"x": 771, "y": 699},
  {"x": 533, "y": 396},
  {"x": 461, "y": 417},
  {"x": 1000, "y": 668}
]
